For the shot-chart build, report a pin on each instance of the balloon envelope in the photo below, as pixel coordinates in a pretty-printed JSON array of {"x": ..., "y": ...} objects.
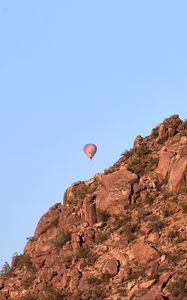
[{"x": 90, "y": 150}]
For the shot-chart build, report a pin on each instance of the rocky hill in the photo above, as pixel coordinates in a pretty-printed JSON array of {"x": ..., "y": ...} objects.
[{"x": 120, "y": 235}]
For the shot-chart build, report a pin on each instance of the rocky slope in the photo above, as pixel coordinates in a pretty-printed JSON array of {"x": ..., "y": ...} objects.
[{"x": 119, "y": 235}]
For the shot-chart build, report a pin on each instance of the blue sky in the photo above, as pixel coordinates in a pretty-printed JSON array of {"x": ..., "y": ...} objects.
[{"x": 77, "y": 72}]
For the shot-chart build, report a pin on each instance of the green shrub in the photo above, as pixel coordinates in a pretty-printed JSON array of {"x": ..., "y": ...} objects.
[
  {"x": 126, "y": 226},
  {"x": 53, "y": 293},
  {"x": 68, "y": 259},
  {"x": 84, "y": 252},
  {"x": 129, "y": 229},
  {"x": 81, "y": 191},
  {"x": 154, "y": 133},
  {"x": 165, "y": 196},
  {"x": 143, "y": 213},
  {"x": 166, "y": 212},
  {"x": 55, "y": 222},
  {"x": 142, "y": 161},
  {"x": 133, "y": 274},
  {"x": 173, "y": 234},
  {"x": 178, "y": 288},
  {"x": 27, "y": 282},
  {"x": 152, "y": 163},
  {"x": 95, "y": 293},
  {"x": 23, "y": 260},
  {"x": 172, "y": 122},
  {"x": 175, "y": 255},
  {"x": 102, "y": 236},
  {"x": 122, "y": 220},
  {"x": 105, "y": 277},
  {"x": 184, "y": 207},
  {"x": 136, "y": 165},
  {"x": 149, "y": 199},
  {"x": 29, "y": 297},
  {"x": 122, "y": 292},
  {"x": 142, "y": 150},
  {"x": 31, "y": 238},
  {"x": 6, "y": 271},
  {"x": 72, "y": 201},
  {"x": 61, "y": 239},
  {"x": 182, "y": 133},
  {"x": 161, "y": 141},
  {"x": 92, "y": 280},
  {"x": 174, "y": 199},
  {"x": 102, "y": 215},
  {"x": 127, "y": 153},
  {"x": 156, "y": 224}
]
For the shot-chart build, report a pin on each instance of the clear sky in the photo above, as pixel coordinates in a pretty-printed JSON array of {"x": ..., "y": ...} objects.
[{"x": 76, "y": 72}]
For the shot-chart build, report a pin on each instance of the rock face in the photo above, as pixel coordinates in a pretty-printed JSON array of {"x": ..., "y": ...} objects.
[
  {"x": 115, "y": 191},
  {"x": 119, "y": 235},
  {"x": 178, "y": 175},
  {"x": 172, "y": 166}
]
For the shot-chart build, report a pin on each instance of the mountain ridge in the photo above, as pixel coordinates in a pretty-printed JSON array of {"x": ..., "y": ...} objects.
[{"x": 119, "y": 235}]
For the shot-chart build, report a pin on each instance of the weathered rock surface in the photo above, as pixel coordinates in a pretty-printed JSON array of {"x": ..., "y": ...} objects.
[{"x": 115, "y": 191}]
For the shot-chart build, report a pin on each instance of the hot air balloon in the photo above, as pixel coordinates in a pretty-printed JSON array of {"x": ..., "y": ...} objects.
[{"x": 90, "y": 150}]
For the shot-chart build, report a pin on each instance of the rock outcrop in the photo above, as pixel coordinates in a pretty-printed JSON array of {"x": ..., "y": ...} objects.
[{"x": 120, "y": 235}]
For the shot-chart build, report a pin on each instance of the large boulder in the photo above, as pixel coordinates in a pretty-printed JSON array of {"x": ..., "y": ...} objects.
[
  {"x": 111, "y": 267},
  {"x": 164, "y": 164},
  {"x": 177, "y": 176},
  {"x": 115, "y": 191},
  {"x": 172, "y": 166},
  {"x": 143, "y": 253}
]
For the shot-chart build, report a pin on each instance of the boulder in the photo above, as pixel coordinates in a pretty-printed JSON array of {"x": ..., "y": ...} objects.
[
  {"x": 183, "y": 140},
  {"x": 164, "y": 278},
  {"x": 111, "y": 267},
  {"x": 75, "y": 241},
  {"x": 171, "y": 132},
  {"x": 75, "y": 276},
  {"x": 153, "y": 294},
  {"x": 114, "y": 193},
  {"x": 89, "y": 236},
  {"x": 137, "y": 142},
  {"x": 147, "y": 284},
  {"x": 38, "y": 260},
  {"x": 177, "y": 176},
  {"x": 164, "y": 164},
  {"x": 162, "y": 133},
  {"x": 173, "y": 168},
  {"x": 65, "y": 279},
  {"x": 153, "y": 237},
  {"x": 143, "y": 253}
]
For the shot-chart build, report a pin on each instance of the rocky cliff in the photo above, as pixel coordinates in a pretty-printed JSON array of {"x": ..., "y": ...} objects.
[{"x": 119, "y": 235}]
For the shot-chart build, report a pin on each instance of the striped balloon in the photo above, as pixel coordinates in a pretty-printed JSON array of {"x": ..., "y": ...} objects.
[{"x": 90, "y": 150}]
